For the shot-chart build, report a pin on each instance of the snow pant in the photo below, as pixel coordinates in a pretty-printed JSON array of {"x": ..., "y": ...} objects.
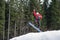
[{"x": 37, "y": 21}]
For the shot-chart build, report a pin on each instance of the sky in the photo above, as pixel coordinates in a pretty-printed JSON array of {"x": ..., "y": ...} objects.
[
  {"x": 6, "y": 0},
  {"x": 42, "y": 1},
  {"x": 48, "y": 1}
]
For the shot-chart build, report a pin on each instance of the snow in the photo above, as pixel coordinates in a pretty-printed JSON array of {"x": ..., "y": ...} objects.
[{"x": 48, "y": 35}]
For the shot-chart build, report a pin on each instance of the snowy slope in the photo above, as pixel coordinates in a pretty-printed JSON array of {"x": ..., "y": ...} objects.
[{"x": 48, "y": 35}]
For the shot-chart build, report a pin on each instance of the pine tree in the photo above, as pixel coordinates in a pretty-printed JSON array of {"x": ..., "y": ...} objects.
[
  {"x": 2, "y": 18},
  {"x": 55, "y": 15}
]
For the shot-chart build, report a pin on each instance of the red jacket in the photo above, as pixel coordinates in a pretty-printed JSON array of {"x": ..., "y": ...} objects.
[{"x": 37, "y": 15}]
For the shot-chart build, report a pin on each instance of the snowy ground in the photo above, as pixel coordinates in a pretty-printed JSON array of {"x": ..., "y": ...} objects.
[{"x": 48, "y": 35}]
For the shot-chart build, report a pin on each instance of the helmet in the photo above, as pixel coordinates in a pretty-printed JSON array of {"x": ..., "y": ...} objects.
[{"x": 37, "y": 13}]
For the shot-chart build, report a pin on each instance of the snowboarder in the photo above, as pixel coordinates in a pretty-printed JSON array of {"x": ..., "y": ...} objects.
[{"x": 37, "y": 16}]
